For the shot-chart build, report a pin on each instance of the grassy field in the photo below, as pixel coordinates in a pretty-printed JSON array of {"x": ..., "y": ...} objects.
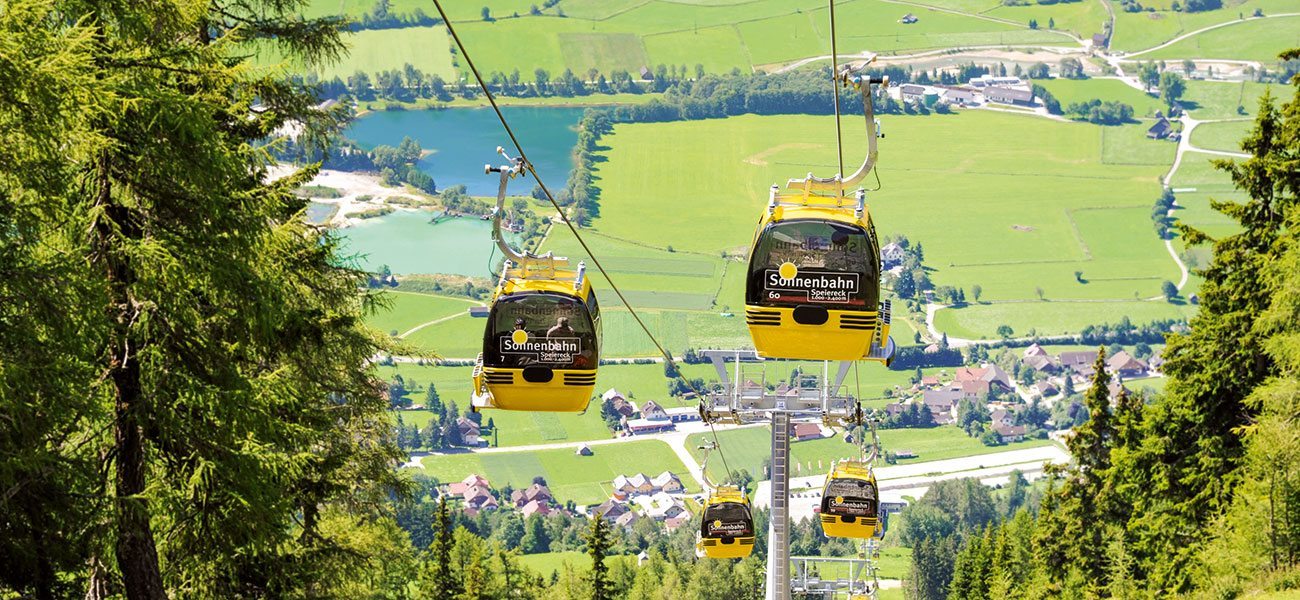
[
  {"x": 1139, "y": 31},
  {"x": 547, "y": 563},
  {"x": 1081, "y": 18},
  {"x": 583, "y": 479},
  {"x": 746, "y": 448},
  {"x": 1225, "y": 136},
  {"x": 629, "y": 34},
  {"x": 981, "y": 321},
  {"x": 1207, "y": 100},
  {"x": 1043, "y": 201},
  {"x": 1082, "y": 90},
  {"x": 1255, "y": 39},
  {"x": 1197, "y": 173},
  {"x": 371, "y": 51},
  {"x": 409, "y": 309}
]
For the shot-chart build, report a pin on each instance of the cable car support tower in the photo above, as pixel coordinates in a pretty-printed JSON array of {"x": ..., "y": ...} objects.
[{"x": 810, "y": 399}]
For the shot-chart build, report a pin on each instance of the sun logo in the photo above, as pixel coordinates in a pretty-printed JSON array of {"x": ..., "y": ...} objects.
[
  {"x": 839, "y": 499},
  {"x": 717, "y": 523},
  {"x": 787, "y": 270},
  {"x": 519, "y": 337}
]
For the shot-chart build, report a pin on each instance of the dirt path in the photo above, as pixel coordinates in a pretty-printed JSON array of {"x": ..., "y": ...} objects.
[{"x": 1205, "y": 29}]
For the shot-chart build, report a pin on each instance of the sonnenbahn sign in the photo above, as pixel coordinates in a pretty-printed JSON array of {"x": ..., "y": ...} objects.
[
  {"x": 550, "y": 350},
  {"x": 829, "y": 287}
]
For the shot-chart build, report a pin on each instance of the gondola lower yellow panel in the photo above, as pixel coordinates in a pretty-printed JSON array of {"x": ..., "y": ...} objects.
[
  {"x": 850, "y": 501},
  {"x": 727, "y": 525}
]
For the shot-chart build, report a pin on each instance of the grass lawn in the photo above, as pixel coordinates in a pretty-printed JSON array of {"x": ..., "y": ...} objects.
[
  {"x": 547, "y": 563},
  {"x": 1068, "y": 91},
  {"x": 1208, "y": 100},
  {"x": 1081, "y": 18},
  {"x": 1197, "y": 173},
  {"x": 1224, "y": 135},
  {"x": 894, "y": 563},
  {"x": 409, "y": 309},
  {"x": 371, "y": 51},
  {"x": 1155, "y": 384},
  {"x": 981, "y": 321},
  {"x": 1139, "y": 31},
  {"x": 1129, "y": 145},
  {"x": 1255, "y": 39},
  {"x": 746, "y": 448},
  {"x": 583, "y": 479}
]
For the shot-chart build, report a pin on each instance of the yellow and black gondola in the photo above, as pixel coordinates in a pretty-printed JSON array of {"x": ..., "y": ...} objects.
[
  {"x": 813, "y": 287},
  {"x": 541, "y": 345},
  {"x": 850, "y": 505},
  {"x": 726, "y": 525}
]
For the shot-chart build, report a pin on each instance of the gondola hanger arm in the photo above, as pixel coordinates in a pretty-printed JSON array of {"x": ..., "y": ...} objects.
[{"x": 837, "y": 184}]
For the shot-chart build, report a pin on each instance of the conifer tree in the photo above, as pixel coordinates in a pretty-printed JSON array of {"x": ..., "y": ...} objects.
[{"x": 598, "y": 547}]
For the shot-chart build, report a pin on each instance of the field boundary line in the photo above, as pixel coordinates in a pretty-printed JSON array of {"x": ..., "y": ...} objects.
[{"x": 1078, "y": 235}]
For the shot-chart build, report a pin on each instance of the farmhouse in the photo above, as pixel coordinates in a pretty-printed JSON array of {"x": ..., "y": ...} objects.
[
  {"x": 617, "y": 403},
  {"x": 468, "y": 431},
  {"x": 1077, "y": 361},
  {"x": 1162, "y": 129},
  {"x": 1035, "y": 350},
  {"x": 458, "y": 488},
  {"x": 807, "y": 431},
  {"x": 1125, "y": 365},
  {"x": 643, "y": 485},
  {"x": 911, "y": 93},
  {"x": 892, "y": 253},
  {"x": 535, "y": 508},
  {"x": 1012, "y": 433},
  {"x": 1045, "y": 389},
  {"x": 652, "y": 411},
  {"x": 1041, "y": 364},
  {"x": 993, "y": 375},
  {"x": 1009, "y": 95},
  {"x": 959, "y": 96},
  {"x": 610, "y": 510}
]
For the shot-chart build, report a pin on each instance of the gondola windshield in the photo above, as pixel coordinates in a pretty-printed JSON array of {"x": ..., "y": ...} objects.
[
  {"x": 814, "y": 262},
  {"x": 542, "y": 329},
  {"x": 850, "y": 497},
  {"x": 727, "y": 519}
]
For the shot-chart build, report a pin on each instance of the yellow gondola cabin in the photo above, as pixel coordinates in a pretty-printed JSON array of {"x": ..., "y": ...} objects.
[
  {"x": 850, "y": 505},
  {"x": 541, "y": 345},
  {"x": 727, "y": 525}
]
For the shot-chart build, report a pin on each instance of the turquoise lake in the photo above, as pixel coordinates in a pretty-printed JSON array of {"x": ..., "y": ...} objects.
[{"x": 462, "y": 140}]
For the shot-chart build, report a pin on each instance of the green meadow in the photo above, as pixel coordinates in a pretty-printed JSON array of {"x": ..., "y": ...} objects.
[
  {"x": 582, "y": 479},
  {"x": 981, "y": 321},
  {"x": 1083, "y": 90},
  {"x": 548, "y": 563},
  {"x": 1143, "y": 30},
  {"x": 1225, "y": 136},
  {"x": 1207, "y": 100},
  {"x": 371, "y": 51},
  {"x": 747, "y": 448},
  {"x": 407, "y": 310},
  {"x": 1255, "y": 39}
]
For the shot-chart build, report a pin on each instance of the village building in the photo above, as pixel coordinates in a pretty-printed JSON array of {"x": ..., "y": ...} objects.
[
  {"x": 807, "y": 431},
  {"x": 1078, "y": 361},
  {"x": 1041, "y": 364},
  {"x": 1046, "y": 388},
  {"x": 535, "y": 508},
  {"x": 930, "y": 381},
  {"x": 1011, "y": 433},
  {"x": 1162, "y": 129},
  {"x": 458, "y": 488},
  {"x": 682, "y": 414},
  {"x": 641, "y": 484},
  {"x": 583, "y": 450},
  {"x": 1035, "y": 350},
  {"x": 617, "y": 403},
  {"x": 610, "y": 510},
  {"x": 652, "y": 411},
  {"x": 468, "y": 432},
  {"x": 958, "y": 96},
  {"x": 1123, "y": 364},
  {"x": 892, "y": 253},
  {"x": 984, "y": 81},
  {"x": 911, "y": 92},
  {"x": 908, "y": 19},
  {"x": 993, "y": 375},
  {"x": 1009, "y": 95},
  {"x": 644, "y": 426}
]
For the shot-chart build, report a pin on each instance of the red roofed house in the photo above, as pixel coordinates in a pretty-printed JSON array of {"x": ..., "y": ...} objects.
[
  {"x": 807, "y": 431},
  {"x": 1125, "y": 365},
  {"x": 1008, "y": 434},
  {"x": 458, "y": 488},
  {"x": 536, "y": 507}
]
